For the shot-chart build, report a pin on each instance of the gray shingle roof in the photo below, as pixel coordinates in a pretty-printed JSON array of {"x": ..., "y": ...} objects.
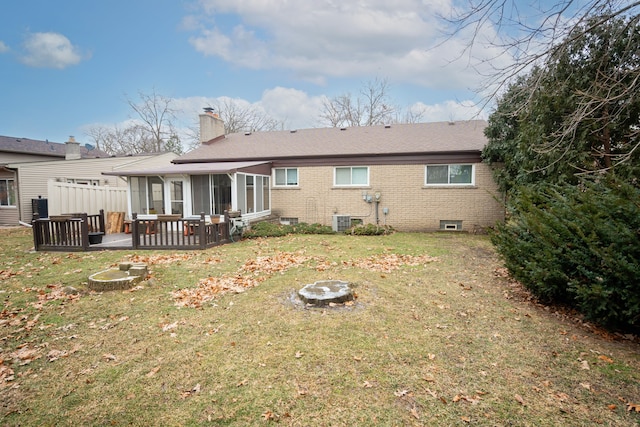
[
  {"x": 44, "y": 148},
  {"x": 397, "y": 139}
]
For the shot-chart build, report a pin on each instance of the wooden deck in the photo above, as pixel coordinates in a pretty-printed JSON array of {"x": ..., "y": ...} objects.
[{"x": 82, "y": 232}]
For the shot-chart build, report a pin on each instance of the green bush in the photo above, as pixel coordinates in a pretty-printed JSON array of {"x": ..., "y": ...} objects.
[
  {"x": 268, "y": 229},
  {"x": 578, "y": 245},
  {"x": 304, "y": 228},
  {"x": 369, "y": 230}
]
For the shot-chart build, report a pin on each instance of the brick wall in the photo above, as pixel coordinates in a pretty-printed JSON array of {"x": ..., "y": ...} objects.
[{"x": 411, "y": 205}]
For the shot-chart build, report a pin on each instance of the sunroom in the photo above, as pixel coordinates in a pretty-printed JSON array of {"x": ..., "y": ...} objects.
[{"x": 188, "y": 190}]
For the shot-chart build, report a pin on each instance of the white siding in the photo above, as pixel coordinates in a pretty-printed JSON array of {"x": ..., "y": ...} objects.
[{"x": 33, "y": 177}]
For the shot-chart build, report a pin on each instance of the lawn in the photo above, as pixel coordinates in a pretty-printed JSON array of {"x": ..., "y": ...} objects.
[{"x": 438, "y": 335}]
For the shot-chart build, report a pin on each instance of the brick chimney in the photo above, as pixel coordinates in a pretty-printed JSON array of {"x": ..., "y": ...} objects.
[
  {"x": 72, "y": 149},
  {"x": 211, "y": 125}
]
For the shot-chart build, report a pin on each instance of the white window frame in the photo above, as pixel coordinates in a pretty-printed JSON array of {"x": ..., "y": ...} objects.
[
  {"x": 448, "y": 183},
  {"x": 10, "y": 203},
  {"x": 286, "y": 184},
  {"x": 335, "y": 176}
]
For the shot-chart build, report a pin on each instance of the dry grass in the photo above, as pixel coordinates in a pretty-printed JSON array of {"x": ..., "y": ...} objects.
[{"x": 446, "y": 342}]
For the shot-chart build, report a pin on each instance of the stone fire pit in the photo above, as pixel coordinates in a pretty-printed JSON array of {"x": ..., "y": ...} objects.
[
  {"x": 325, "y": 292},
  {"x": 123, "y": 277}
]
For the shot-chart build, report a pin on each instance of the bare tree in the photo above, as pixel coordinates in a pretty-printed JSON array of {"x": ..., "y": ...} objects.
[
  {"x": 244, "y": 118},
  {"x": 529, "y": 42},
  {"x": 372, "y": 107},
  {"x": 117, "y": 140},
  {"x": 550, "y": 42},
  {"x": 157, "y": 116}
]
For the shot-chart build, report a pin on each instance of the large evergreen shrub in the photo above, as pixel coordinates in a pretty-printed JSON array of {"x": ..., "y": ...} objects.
[{"x": 579, "y": 245}]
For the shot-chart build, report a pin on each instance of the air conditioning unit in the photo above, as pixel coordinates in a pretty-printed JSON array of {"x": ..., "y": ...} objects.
[{"x": 341, "y": 223}]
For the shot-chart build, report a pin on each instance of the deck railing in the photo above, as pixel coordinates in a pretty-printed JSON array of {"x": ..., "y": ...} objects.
[
  {"x": 75, "y": 232},
  {"x": 68, "y": 232},
  {"x": 173, "y": 232}
]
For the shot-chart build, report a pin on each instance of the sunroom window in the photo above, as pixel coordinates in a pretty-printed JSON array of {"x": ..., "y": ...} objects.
[{"x": 147, "y": 195}]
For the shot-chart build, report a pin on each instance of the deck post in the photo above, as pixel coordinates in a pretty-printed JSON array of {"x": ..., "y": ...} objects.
[
  {"x": 134, "y": 230},
  {"x": 37, "y": 239},
  {"x": 103, "y": 228},
  {"x": 84, "y": 231},
  {"x": 203, "y": 232}
]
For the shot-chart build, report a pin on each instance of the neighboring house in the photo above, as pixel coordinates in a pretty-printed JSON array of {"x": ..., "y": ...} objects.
[
  {"x": 27, "y": 165},
  {"x": 414, "y": 177}
]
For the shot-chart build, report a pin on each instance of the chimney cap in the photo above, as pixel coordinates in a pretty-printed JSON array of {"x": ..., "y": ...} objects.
[
  {"x": 208, "y": 110},
  {"x": 71, "y": 138}
]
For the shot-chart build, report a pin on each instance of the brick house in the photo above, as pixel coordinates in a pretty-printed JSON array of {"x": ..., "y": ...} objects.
[{"x": 414, "y": 177}]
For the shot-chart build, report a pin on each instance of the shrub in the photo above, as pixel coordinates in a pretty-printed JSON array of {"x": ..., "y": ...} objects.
[
  {"x": 578, "y": 245},
  {"x": 268, "y": 229},
  {"x": 369, "y": 230},
  {"x": 304, "y": 228}
]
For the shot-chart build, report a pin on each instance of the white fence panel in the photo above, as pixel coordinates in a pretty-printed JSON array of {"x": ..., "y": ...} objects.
[{"x": 71, "y": 198}]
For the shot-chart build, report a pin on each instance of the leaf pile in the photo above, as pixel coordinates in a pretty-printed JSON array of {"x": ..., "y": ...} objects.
[
  {"x": 255, "y": 271},
  {"x": 250, "y": 274},
  {"x": 389, "y": 262}
]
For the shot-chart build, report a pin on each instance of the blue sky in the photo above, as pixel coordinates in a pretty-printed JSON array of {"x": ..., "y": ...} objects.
[{"x": 68, "y": 65}]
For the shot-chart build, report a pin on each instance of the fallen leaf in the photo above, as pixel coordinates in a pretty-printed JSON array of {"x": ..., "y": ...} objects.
[
  {"x": 170, "y": 326},
  {"x": 612, "y": 407},
  {"x": 432, "y": 356},
  {"x": 268, "y": 415},
  {"x": 299, "y": 354},
  {"x": 466, "y": 419},
  {"x": 585, "y": 365},
  {"x": 401, "y": 393},
  {"x": 109, "y": 357},
  {"x": 415, "y": 414},
  {"x": 367, "y": 384},
  {"x": 520, "y": 399},
  {"x": 586, "y": 386},
  {"x": 605, "y": 358},
  {"x": 633, "y": 407},
  {"x": 54, "y": 355},
  {"x": 153, "y": 372}
]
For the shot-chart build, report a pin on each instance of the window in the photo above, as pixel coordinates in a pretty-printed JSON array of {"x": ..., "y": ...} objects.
[
  {"x": 210, "y": 194},
  {"x": 94, "y": 182},
  {"x": 147, "y": 195},
  {"x": 7, "y": 192},
  {"x": 286, "y": 177},
  {"x": 449, "y": 175},
  {"x": 253, "y": 193},
  {"x": 351, "y": 176}
]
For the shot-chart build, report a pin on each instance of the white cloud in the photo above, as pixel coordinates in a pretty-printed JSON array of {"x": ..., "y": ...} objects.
[
  {"x": 321, "y": 39},
  {"x": 50, "y": 50},
  {"x": 448, "y": 111},
  {"x": 3, "y": 47}
]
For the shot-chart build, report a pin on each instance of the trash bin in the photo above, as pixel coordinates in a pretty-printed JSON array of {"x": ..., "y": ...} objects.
[{"x": 40, "y": 206}]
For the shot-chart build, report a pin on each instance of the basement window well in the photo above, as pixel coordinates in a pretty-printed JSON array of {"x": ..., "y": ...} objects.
[{"x": 450, "y": 225}]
